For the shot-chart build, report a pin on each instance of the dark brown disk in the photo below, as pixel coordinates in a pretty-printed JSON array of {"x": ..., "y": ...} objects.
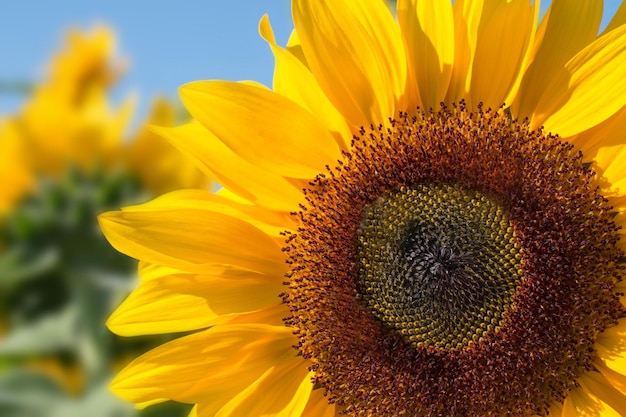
[{"x": 570, "y": 263}]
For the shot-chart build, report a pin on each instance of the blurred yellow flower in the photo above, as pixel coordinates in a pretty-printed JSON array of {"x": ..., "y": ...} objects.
[
  {"x": 14, "y": 170},
  {"x": 448, "y": 259},
  {"x": 69, "y": 121},
  {"x": 69, "y": 118}
]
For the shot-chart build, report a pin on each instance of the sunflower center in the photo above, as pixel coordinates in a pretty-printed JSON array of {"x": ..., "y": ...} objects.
[
  {"x": 453, "y": 263},
  {"x": 438, "y": 263}
]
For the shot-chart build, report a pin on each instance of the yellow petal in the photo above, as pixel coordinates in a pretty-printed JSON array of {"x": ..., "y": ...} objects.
[
  {"x": 611, "y": 164},
  {"x": 503, "y": 42},
  {"x": 247, "y": 180},
  {"x": 186, "y": 302},
  {"x": 606, "y": 134},
  {"x": 556, "y": 410},
  {"x": 295, "y": 47},
  {"x": 616, "y": 379},
  {"x": 266, "y": 31},
  {"x": 148, "y": 271},
  {"x": 208, "y": 409},
  {"x": 354, "y": 48},
  {"x": 611, "y": 347},
  {"x": 145, "y": 404},
  {"x": 493, "y": 42},
  {"x": 427, "y": 28},
  {"x": 282, "y": 391},
  {"x": 581, "y": 404},
  {"x": 293, "y": 80},
  {"x": 189, "y": 239},
  {"x": 569, "y": 410},
  {"x": 590, "y": 88},
  {"x": 269, "y": 221},
  {"x": 318, "y": 405},
  {"x": 217, "y": 363},
  {"x": 466, "y": 20},
  {"x": 595, "y": 385},
  {"x": 539, "y": 35},
  {"x": 262, "y": 127},
  {"x": 570, "y": 26},
  {"x": 273, "y": 316}
]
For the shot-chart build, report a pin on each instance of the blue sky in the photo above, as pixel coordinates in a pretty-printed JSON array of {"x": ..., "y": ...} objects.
[{"x": 167, "y": 43}]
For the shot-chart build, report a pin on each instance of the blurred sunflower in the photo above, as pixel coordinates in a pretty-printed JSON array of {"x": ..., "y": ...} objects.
[
  {"x": 437, "y": 201},
  {"x": 65, "y": 158}
]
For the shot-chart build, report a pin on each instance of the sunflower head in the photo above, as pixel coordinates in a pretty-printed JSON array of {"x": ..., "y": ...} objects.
[
  {"x": 451, "y": 240},
  {"x": 441, "y": 194}
]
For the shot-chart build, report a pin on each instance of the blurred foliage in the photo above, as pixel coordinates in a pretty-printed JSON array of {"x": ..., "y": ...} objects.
[
  {"x": 60, "y": 281},
  {"x": 64, "y": 159}
]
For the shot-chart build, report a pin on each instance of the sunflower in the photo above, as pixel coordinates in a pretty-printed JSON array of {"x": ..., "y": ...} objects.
[{"x": 420, "y": 218}]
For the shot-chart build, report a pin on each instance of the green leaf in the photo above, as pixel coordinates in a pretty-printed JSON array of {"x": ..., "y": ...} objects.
[
  {"x": 98, "y": 402},
  {"x": 28, "y": 394},
  {"x": 47, "y": 335},
  {"x": 17, "y": 265}
]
